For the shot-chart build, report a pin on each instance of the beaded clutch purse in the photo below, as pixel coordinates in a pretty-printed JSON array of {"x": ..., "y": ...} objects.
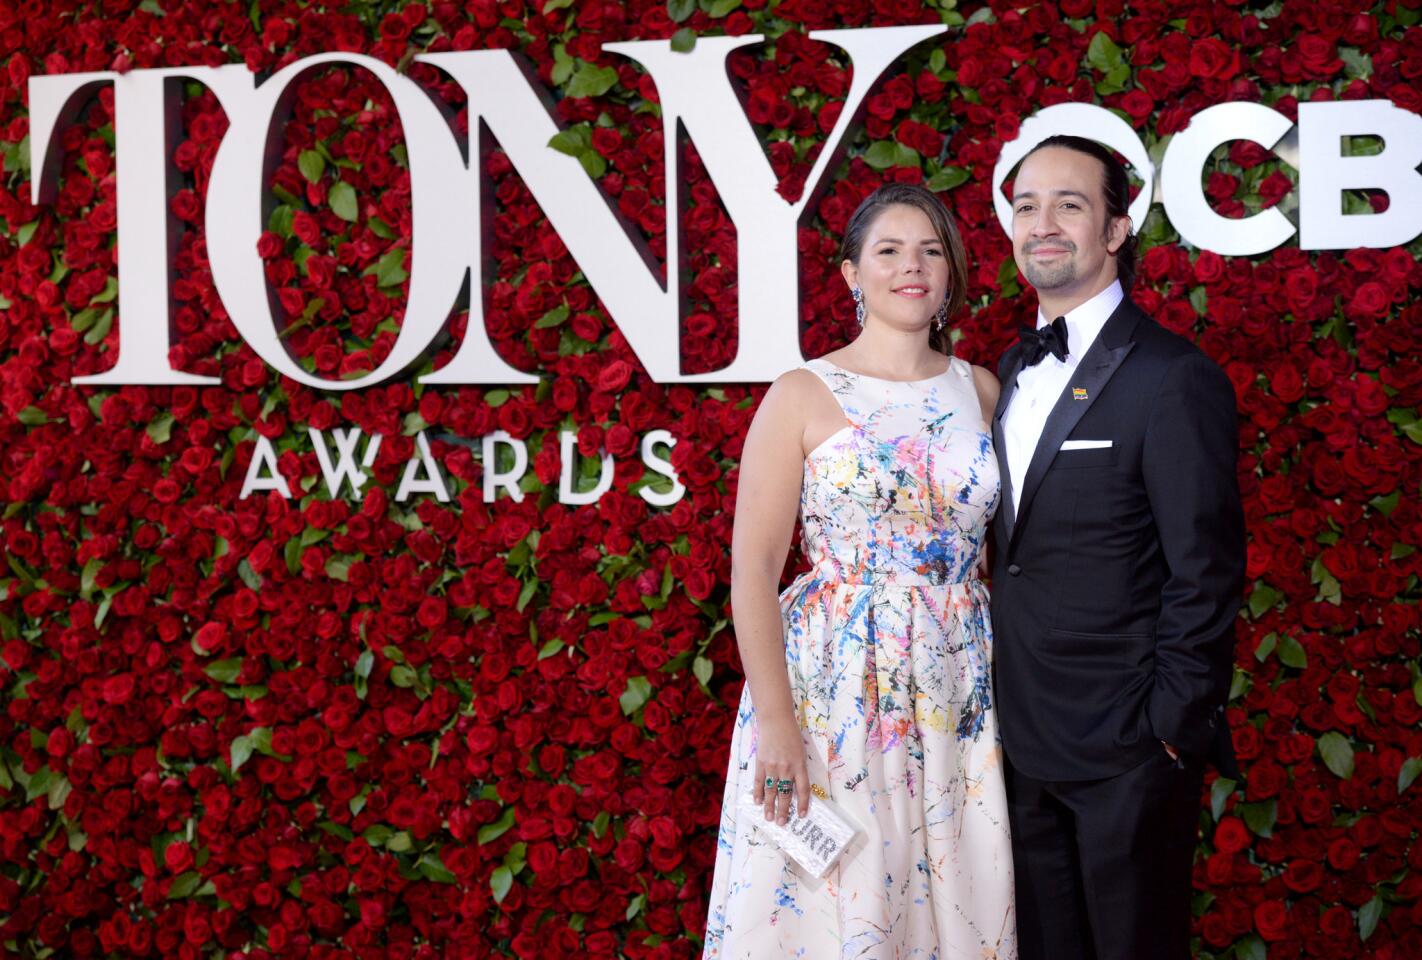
[{"x": 814, "y": 841}]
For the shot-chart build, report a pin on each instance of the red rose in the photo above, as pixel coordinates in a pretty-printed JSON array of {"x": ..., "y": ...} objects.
[
  {"x": 1231, "y": 836},
  {"x": 614, "y": 376},
  {"x": 1271, "y": 919},
  {"x": 1213, "y": 58},
  {"x": 178, "y": 857}
]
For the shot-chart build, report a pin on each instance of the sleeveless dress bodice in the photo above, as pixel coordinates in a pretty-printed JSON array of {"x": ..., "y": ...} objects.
[{"x": 903, "y": 493}]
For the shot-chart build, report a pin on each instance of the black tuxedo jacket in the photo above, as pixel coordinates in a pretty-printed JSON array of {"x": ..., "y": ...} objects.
[{"x": 1116, "y": 585}]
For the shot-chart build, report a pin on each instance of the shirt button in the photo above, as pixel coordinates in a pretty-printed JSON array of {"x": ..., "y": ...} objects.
[{"x": 1014, "y": 569}]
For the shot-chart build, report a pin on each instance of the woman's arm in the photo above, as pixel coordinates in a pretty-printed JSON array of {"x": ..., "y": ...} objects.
[{"x": 767, "y": 500}]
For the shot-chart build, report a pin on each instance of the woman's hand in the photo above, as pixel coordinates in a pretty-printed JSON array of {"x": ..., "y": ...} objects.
[{"x": 780, "y": 755}]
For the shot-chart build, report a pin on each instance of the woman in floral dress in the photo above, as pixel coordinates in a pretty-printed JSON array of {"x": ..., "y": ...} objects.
[{"x": 868, "y": 680}]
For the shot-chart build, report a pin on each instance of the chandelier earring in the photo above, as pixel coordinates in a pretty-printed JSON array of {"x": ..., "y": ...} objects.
[
  {"x": 941, "y": 317},
  {"x": 859, "y": 311}
]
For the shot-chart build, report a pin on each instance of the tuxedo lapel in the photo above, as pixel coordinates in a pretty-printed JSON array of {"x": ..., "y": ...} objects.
[{"x": 1092, "y": 374}]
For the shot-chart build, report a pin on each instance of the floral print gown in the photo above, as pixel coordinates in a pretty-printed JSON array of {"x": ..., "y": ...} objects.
[{"x": 888, "y": 644}]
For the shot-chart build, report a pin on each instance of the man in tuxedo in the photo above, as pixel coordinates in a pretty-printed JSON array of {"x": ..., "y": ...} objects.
[{"x": 1117, "y": 577}]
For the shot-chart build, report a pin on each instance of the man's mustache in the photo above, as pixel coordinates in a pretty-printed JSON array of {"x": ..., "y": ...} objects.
[{"x": 1032, "y": 245}]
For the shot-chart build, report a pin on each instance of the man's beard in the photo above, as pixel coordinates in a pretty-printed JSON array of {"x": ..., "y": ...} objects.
[{"x": 1050, "y": 276}]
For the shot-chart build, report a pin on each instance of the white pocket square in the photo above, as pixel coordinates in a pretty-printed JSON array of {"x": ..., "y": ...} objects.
[{"x": 1085, "y": 444}]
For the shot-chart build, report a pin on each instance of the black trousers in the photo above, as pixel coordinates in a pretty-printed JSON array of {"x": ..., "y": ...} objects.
[{"x": 1103, "y": 866}]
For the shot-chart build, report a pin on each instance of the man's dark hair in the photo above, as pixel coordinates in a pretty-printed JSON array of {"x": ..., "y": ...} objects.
[{"x": 1115, "y": 187}]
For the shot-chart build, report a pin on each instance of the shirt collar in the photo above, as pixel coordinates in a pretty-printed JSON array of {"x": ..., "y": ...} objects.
[{"x": 1086, "y": 321}]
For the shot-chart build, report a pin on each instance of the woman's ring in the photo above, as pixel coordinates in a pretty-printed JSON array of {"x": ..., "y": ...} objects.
[{"x": 783, "y": 786}]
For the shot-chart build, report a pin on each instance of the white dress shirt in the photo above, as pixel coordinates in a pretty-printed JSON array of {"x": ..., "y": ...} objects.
[{"x": 1039, "y": 386}]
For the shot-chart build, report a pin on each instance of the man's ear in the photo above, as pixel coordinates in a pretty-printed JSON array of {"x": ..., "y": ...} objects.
[{"x": 1117, "y": 233}]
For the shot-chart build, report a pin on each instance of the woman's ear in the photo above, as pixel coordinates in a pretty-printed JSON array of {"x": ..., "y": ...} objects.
[{"x": 850, "y": 272}]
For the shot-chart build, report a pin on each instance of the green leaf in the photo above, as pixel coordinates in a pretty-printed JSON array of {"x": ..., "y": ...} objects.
[
  {"x": 702, "y": 669},
  {"x": 225, "y": 671},
  {"x": 100, "y": 329},
  {"x": 311, "y": 164},
  {"x": 1260, "y": 817},
  {"x": 399, "y": 842},
  {"x": 572, "y": 141},
  {"x": 1266, "y": 647},
  {"x": 280, "y": 220},
  {"x": 390, "y": 268},
  {"x": 501, "y": 882},
  {"x": 23, "y": 235},
  {"x": 430, "y": 865},
  {"x": 526, "y": 594},
  {"x": 343, "y": 202},
  {"x": 490, "y": 832},
  {"x": 1337, "y": 754},
  {"x": 562, "y": 65},
  {"x": 883, "y": 154},
  {"x": 242, "y": 748},
  {"x": 549, "y": 7},
  {"x": 1199, "y": 300},
  {"x": 380, "y": 228},
  {"x": 32, "y": 417},
  {"x": 593, "y": 163},
  {"x": 1386, "y": 505},
  {"x": 590, "y": 80},
  {"x": 551, "y": 648},
  {"x": 336, "y": 830},
  {"x": 680, "y": 10},
  {"x": 1007, "y": 277},
  {"x": 1103, "y": 54},
  {"x": 1251, "y": 948},
  {"x": 1402, "y": 550},
  {"x": 1411, "y": 767},
  {"x": 719, "y": 8},
  {"x": 161, "y": 428},
  {"x": 553, "y": 317},
  {"x": 1263, "y": 599},
  {"x": 635, "y": 907},
  {"x": 338, "y": 568},
  {"x": 38, "y": 784},
  {"x": 1291, "y": 653},
  {"x": 185, "y": 885},
  {"x": 1116, "y": 79},
  {"x": 403, "y": 676},
  {"x": 248, "y": 576},
  {"x": 638, "y": 692},
  {"x": 291, "y": 553},
  {"x": 600, "y": 823},
  {"x": 1368, "y": 916},
  {"x": 948, "y": 178},
  {"x": 684, "y": 40},
  {"x": 1359, "y": 65},
  {"x": 1220, "y": 791}
]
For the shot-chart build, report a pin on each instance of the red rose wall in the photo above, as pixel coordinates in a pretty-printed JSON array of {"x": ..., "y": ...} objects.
[{"x": 311, "y": 727}]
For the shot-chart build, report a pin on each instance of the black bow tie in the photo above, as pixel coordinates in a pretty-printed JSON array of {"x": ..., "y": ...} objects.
[{"x": 1036, "y": 344}]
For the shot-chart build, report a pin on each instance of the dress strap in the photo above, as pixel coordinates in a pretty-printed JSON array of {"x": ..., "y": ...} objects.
[{"x": 836, "y": 379}]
